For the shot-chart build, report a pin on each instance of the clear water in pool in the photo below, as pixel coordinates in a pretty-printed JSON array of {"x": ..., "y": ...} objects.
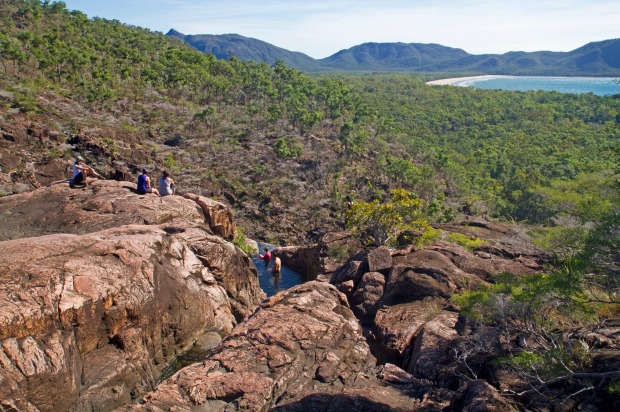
[{"x": 269, "y": 282}]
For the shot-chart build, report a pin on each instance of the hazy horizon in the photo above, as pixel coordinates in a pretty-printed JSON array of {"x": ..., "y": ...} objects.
[{"x": 322, "y": 28}]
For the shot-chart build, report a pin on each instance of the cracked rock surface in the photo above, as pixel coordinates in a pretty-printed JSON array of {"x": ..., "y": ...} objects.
[
  {"x": 301, "y": 350},
  {"x": 90, "y": 317}
]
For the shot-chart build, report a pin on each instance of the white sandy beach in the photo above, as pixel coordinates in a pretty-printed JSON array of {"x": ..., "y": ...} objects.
[{"x": 452, "y": 81}]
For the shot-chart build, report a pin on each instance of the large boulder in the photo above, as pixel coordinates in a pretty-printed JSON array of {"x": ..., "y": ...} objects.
[
  {"x": 367, "y": 296},
  {"x": 431, "y": 347},
  {"x": 507, "y": 241},
  {"x": 303, "y": 259},
  {"x": 379, "y": 259},
  {"x": 219, "y": 217},
  {"x": 396, "y": 326},
  {"x": 232, "y": 269},
  {"x": 486, "y": 265},
  {"x": 302, "y": 350},
  {"x": 406, "y": 284},
  {"x": 479, "y": 396},
  {"x": 88, "y": 321},
  {"x": 373, "y": 396},
  {"x": 351, "y": 271}
]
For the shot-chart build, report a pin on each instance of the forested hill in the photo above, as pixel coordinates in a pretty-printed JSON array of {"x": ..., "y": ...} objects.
[
  {"x": 225, "y": 46},
  {"x": 295, "y": 156},
  {"x": 594, "y": 59},
  {"x": 284, "y": 149}
]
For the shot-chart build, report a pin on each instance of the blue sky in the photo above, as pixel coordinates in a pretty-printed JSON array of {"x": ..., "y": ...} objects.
[{"x": 320, "y": 28}]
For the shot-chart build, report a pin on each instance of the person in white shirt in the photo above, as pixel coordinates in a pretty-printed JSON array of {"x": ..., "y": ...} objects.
[
  {"x": 81, "y": 171},
  {"x": 166, "y": 184}
]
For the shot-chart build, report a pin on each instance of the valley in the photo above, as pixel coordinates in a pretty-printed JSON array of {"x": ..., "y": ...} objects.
[{"x": 458, "y": 246}]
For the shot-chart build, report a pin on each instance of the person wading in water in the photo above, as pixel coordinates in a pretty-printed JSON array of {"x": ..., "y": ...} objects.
[
  {"x": 266, "y": 257},
  {"x": 277, "y": 265}
]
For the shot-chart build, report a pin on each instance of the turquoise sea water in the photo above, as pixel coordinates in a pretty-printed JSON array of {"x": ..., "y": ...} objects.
[{"x": 598, "y": 85}]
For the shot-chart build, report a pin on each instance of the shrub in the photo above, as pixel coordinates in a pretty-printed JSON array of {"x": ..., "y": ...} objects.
[
  {"x": 285, "y": 148},
  {"x": 241, "y": 242},
  {"x": 169, "y": 163},
  {"x": 430, "y": 236},
  {"x": 339, "y": 252},
  {"x": 383, "y": 222},
  {"x": 467, "y": 242}
]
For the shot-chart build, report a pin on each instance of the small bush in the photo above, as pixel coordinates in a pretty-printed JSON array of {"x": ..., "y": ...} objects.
[
  {"x": 467, "y": 242},
  {"x": 55, "y": 153},
  {"x": 26, "y": 103},
  {"x": 169, "y": 163},
  {"x": 339, "y": 252},
  {"x": 430, "y": 236},
  {"x": 614, "y": 387},
  {"x": 241, "y": 242},
  {"x": 286, "y": 148}
]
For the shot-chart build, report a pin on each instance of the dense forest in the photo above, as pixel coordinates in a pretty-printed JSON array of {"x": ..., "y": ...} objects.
[{"x": 286, "y": 149}]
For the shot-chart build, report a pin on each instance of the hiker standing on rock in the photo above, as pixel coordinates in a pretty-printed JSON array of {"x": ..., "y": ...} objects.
[
  {"x": 166, "y": 184},
  {"x": 144, "y": 184}
]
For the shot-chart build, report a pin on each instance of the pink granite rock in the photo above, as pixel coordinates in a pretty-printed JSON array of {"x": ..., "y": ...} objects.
[
  {"x": 365, "y": 300},
  {"x": 302, "y": 345},
  {"x": 379, "y": 259},
  {"x": 219, "y": 217},
  {"x": 479, "y": 396},
  {"x": 88, "y": 321}
]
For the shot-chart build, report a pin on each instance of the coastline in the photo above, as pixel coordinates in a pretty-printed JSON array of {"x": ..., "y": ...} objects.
[{"x": 453, "y": 81}]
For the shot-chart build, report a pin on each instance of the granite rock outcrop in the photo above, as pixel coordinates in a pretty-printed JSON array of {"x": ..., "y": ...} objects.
[
  {"x": 303, "y": 349},
  {"x": 402, "y": 299},
  {"x": 101, "y": 288},
  {"x": 324, "y": 258}
]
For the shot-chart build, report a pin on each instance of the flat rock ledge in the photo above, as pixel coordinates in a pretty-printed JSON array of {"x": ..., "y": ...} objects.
[
  {"x": 303, "y": 349},
  {"x": 104, "y": 204}
]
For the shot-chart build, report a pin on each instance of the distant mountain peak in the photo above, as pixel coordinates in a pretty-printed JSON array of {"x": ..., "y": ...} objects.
[
  {"x": 174, "y": 33},
  {"x": 594, "y": 59}
]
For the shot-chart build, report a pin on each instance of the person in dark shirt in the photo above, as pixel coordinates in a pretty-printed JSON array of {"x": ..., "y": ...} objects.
[{"x": 144, "y": 184}]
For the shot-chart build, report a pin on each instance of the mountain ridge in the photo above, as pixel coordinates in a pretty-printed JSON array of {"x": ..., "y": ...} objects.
[{"x": 601, "y": 58}]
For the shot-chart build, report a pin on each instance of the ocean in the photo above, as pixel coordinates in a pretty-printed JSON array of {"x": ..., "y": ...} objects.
[{"x": 601, "y": 86}]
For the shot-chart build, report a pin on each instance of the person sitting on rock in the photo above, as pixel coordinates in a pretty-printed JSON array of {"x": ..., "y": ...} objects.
[
  {"x": 81, "y": 171},
  {"x": 277, "y": 265},
  {"x": 166, "y": 184},
  {"x": 144, "y": 184},
  {"x": 266, "y": 257}
]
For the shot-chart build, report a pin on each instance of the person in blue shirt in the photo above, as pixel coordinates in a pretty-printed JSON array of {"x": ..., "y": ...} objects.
[{"x": 144, "y": 184}]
